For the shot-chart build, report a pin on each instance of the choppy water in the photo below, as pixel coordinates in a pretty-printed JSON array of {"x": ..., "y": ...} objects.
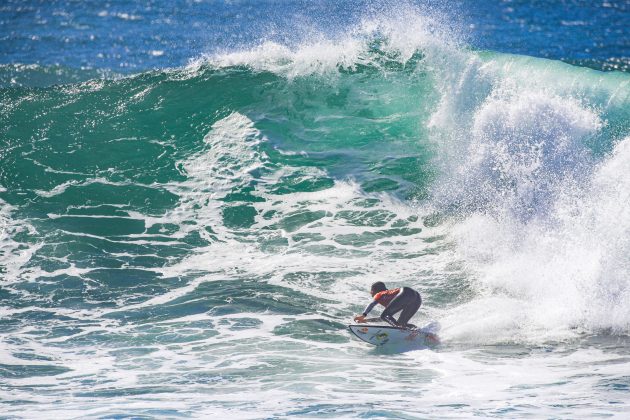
[{"x": 190, "y": 235}]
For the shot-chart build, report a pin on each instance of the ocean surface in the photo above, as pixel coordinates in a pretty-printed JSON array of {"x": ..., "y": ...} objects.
[{"x": 195, "y": 197}]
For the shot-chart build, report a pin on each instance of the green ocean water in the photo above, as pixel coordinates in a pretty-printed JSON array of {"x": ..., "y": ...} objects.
[{"x": 80, "y": 158}]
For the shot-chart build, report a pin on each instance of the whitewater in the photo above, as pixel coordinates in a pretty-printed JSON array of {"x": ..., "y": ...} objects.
[{"x": 192, "y": 241}]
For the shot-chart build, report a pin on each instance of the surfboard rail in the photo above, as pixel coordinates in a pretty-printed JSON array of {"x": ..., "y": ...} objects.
[{"x": 380, "y": 335}]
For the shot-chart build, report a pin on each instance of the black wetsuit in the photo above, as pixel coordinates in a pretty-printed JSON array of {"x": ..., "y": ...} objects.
[{"x": 407, "y": 300}]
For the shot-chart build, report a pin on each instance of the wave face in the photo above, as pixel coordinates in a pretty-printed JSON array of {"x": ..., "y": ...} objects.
[{"x": 193, "y": 241}]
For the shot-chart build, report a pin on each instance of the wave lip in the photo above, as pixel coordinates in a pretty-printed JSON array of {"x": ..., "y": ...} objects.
[{"x": 396, "y": 36}]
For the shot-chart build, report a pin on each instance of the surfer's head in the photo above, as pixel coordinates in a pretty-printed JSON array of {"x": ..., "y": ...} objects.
[{"x": 379, "y": 286}]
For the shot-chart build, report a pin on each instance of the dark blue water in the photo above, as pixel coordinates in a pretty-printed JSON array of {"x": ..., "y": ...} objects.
[{"x": 129, "y": 36}]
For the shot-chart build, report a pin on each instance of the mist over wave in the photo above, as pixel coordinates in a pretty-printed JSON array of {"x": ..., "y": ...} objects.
[{"x": 522, "y": 164}]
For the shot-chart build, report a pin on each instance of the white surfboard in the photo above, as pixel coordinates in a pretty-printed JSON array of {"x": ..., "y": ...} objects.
[{"x": 380, "y": 335}]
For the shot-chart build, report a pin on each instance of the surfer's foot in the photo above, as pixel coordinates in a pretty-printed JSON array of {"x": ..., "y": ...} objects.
[{"x": 410, "y": 327}]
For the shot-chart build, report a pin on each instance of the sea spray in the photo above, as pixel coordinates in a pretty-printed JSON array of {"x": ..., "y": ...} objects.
[{"x": 519, "y": 166}]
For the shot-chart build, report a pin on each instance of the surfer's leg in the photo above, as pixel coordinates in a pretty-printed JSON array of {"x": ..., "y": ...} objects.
[
  {"x": 412, "y": 305},
  {"x": 390, "y": 320}
]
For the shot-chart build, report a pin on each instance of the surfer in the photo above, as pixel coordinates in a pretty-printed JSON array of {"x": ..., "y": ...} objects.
[{"x": 403, "y": 299}]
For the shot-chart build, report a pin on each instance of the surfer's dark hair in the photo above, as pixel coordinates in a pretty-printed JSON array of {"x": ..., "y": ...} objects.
[{"x": 379, "y": 286}]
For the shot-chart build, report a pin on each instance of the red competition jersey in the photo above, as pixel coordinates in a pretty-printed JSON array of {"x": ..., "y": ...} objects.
[{"x": 386, "y": 296}]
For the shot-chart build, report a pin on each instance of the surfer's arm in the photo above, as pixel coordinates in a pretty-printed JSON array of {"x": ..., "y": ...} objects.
[
  {"x": 361, "y": 318},
  {"x": 369, "y": 308}
]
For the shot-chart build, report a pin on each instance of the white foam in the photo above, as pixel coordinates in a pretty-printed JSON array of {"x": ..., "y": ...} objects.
[
  {"x": 565, "y": 271},
  {"x": 14, "y": 254},
  {"x": 541, "y": 214},
  {"x": 316, "y": 58},
  {"x": 61, "y": 188},
  {"x": 225, "y": 162}
]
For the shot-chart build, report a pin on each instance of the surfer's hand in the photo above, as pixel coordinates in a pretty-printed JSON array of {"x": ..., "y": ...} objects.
[{"x": 359, "y": 318}]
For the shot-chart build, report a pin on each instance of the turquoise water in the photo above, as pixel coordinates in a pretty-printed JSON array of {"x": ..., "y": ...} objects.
[{"x": 193, "y": 240}]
